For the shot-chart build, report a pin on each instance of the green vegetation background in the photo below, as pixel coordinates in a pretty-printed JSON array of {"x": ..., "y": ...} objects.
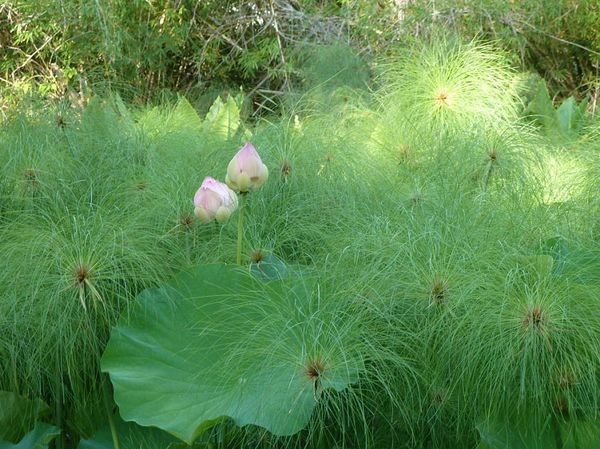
[
  {"x": 148, "y": 50},
  {"x": 451, "y": 223}
]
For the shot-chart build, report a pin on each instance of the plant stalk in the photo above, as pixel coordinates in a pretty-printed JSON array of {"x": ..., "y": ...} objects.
[
  {"x": 60, "y": 441},
  {"x": 240, "y": 234},
  {"x": 109, "y": 415}
]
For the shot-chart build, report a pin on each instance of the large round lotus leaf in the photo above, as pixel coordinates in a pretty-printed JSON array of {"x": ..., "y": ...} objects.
[
  {"x": 217, "y": 342},
  {"x": 130, "y": 436},
  {"x": 39, "y": 438},
  {"x": 19, "y": 414}
]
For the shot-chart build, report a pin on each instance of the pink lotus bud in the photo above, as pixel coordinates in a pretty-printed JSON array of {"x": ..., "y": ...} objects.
[
  {"x": 214, "y": 200},
  {"x": 246, "y": 171}
]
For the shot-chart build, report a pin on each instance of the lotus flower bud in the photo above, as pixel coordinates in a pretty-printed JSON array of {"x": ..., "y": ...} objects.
[
  {"x": 246, "y": 171},
  {"x": 214, "y": 200}
]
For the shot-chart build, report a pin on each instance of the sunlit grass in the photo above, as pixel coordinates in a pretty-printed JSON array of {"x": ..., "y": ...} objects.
[{"x": 452, "y": 241}]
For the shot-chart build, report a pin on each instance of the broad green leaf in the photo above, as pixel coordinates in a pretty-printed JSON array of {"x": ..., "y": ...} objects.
[
  {"x": 39, "y": 438},
  {"x": 217, "y": 342},
  {"x": 503, "y": 435},
  {"x": 131, "y": 436},
  {"x": 18, "y": 415},
  {"x": 566, "y": 114},
  {"x": 541, "y": 106},
  {"x": 159, "y": 125},
  {"x": 270, "y": 267},
  {"x": 152, "y": 122},
  {"x": 184, "y": 116},
  {"x": 566, "y": 120},
  {"x": 223, "y": 118},
  {"x": 572, "y": 115}
]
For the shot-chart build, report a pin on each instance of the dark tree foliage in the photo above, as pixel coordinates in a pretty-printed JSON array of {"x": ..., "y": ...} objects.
[{"x": 147, "y": 50}]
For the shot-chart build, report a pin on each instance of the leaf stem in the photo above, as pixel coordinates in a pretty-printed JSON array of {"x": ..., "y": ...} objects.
[
  {"x": 60, "y": 441},
  {"x": 109, "y": 415},
  {"x": 240, "y": 233}
]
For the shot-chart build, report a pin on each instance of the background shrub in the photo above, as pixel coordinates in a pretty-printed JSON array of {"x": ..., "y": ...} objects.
[{"x": 148, "y": 50}]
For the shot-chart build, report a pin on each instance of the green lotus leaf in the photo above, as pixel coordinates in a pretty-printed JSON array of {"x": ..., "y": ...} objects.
[
  {"x": 217, "y": 342},
  {"x": 18, "y": 415},
  {"x": 39, "y": 438},
  {"x": 270, "y": 268},
  {"x": 131, "y": 436},
  {"x": 498, "y": 434}
]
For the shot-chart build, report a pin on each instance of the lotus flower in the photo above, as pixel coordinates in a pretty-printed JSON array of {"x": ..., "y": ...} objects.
[
  {"x": 214, "y": 200},
  {"x": 246, "y": 171}
]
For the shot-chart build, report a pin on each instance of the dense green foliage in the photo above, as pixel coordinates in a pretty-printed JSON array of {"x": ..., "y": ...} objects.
[
  {"x": 146, "y": 50},
  {"x": 448, "y": 250},
  {"x": 559, "y": 39}
]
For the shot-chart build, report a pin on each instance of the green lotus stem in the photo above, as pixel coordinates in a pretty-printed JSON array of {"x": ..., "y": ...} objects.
[
  {"x": 111, "y": 422},
  {"x": 240, "y": 234},
  {"x": 60, "y": 441}
]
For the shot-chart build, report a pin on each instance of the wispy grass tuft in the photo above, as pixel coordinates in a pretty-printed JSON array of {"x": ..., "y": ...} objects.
[
  {"x": 455, "y": 245},
  {"x": 450, "y": 86}
]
